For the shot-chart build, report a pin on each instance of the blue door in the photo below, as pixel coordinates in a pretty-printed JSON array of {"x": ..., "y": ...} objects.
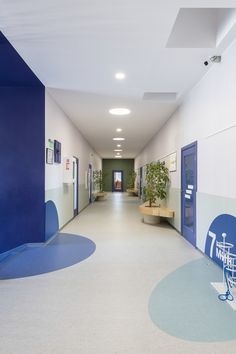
[{"x": 188, "y": 192}]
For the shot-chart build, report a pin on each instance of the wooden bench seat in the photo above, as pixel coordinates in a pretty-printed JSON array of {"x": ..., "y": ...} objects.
[
  {"x": 156, "y": 211},
  {"x": 132, "y": 191},
  {"x": 100, "y": 195}
]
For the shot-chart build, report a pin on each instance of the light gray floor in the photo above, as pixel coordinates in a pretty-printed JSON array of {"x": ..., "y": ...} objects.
[{"x": 100, "y": 306}]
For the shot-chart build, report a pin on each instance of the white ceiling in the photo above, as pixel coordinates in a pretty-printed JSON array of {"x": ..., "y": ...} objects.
[{"x": 76, "y": 46}]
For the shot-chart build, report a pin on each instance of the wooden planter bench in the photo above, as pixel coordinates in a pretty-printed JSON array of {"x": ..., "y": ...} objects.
[
  {"x": 100, "y": 195},
  {"x": 132, "y": 191},
  {"x": 153, "y": 214}
]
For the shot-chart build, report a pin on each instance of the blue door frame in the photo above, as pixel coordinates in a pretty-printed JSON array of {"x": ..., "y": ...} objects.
[
  {"x": 76, "y": 185},
  {"x": 90, "y": 184},
  {"x": 188, "y": 192},
  {"x": 141, "y": 182},
  {"x": 122, "y": 181}
]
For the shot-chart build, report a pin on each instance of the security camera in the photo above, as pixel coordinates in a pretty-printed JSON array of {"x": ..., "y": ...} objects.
[{"x": 214, "y": 59}]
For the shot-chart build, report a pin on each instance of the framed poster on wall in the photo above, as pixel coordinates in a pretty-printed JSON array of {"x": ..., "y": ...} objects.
[
  {"x": 57, "y": 151},
  {"x": 173, "y": 162},
  {"x": 49, "y": 156},
  {"x": 86, "y": 179}
]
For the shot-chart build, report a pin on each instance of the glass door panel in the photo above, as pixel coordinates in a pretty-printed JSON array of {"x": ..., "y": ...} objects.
[
  {"x": 117, "y": 181},
  {"x": 188, "y": 192}
]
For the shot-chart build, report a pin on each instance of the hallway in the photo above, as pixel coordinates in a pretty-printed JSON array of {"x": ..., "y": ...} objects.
[
  {"x": 104, "y": 100},
  {"x": 99, "y": 305}
]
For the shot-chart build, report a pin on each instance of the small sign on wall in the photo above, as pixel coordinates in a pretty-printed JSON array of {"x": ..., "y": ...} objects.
[
  {"x": 57, "y": 151},
  {"x": 68, "y": 170},
  {"x": 173, "y": 162},
  {"x": 49, "y": 156},
  {"x": 51, "y": 144},
  {"x": 86, "y": 179}
]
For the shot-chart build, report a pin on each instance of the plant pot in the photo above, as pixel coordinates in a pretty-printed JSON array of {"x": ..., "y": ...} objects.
[
  {"x": 100, "y": 195},
  {"x": 151, "y": 219}
]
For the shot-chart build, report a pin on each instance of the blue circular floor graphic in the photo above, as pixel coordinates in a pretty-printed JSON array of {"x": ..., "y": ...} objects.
[
  {"x": 185, "y": 305},
  {"x": 63, "y": 251}
]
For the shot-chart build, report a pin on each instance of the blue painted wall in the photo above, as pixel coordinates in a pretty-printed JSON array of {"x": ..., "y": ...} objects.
[
  {"x": 13, "y": 70},
  {"x": 22, "y": 136}
]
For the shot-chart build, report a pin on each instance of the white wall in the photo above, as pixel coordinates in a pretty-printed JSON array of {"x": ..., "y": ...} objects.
[
  {"x": 59, "y": 127},
  {"x": 208, "y": 115}
]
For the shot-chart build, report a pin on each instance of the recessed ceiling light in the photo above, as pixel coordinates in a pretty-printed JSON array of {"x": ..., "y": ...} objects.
[
  {"x": 119, "y": 111},
  {"x": 118, "y": 139},
  {"x": 118, "y": 150},
  {"x": 120, "y": 76},
  {"x": 118, "y": 153},
  {"x": 119, "y": 130},
  {"x": 118, "y": 145},
  {"x": 118, "y": 157}
]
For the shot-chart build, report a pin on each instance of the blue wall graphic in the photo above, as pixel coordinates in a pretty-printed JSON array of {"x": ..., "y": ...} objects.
[
  {"x": 22, "y": 135},
  {"x": 52, "y": 221},
  {"x": 224, "y": 223}
]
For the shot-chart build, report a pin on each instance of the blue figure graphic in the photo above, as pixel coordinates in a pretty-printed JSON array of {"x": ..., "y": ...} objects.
[{"x": 223, "y": 251}]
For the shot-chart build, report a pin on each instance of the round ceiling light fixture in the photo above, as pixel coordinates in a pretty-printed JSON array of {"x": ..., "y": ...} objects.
[
  {"x": 118, "y": 145},
  {"x": 119, "y": 130},
  {"x": 120, "y": 76},
  {"x": 118, "y": 139},
  {"x": 119, "y": 111}
]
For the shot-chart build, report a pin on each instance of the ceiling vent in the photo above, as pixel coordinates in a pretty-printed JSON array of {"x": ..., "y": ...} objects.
[{"x": 160, "y": 96}]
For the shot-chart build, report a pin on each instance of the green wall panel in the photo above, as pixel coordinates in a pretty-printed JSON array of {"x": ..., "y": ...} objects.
[
  {"x": 108, "y": 165},
  {"x": 83, "y": 197},
  {"x": 173, "y": 202}
]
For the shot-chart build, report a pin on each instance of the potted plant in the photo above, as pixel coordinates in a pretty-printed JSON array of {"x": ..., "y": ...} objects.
[
  {"x": 98, "y": 180},
  {"x": 157, "y": 179},
  {"x": 131, "y": 183},
  {"x": 132, "y": 178}
]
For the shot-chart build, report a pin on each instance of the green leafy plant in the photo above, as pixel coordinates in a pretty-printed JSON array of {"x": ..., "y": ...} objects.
[
  {"x": 157, "y": 178},
  {"x": 98, "y": 178},
  {"x": 132, "y": 178}
]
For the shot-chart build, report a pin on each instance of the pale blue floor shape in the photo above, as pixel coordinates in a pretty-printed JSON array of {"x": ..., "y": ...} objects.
[
  {"x": 185, "y": 305},
  {"x": 63, "y": 251}
]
